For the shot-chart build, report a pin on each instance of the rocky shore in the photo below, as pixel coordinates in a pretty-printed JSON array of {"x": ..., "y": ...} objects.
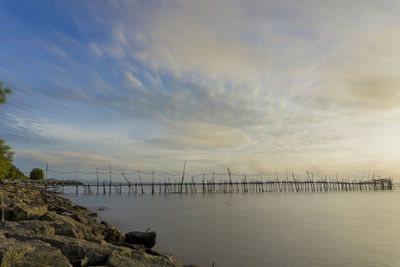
[{"x": 43, "y": 229}]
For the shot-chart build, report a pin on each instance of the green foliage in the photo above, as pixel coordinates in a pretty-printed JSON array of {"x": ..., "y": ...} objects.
[
  {"x": 7, "y": 169},
  {"x": 6, "y": 156},
  {"x": 36, "y": 174},
  {"x": 15, "y": 173},
  {"x": 3, "y": 92}
]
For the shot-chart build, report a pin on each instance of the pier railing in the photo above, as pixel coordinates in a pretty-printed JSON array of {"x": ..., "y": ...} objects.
[
  {"x": 211, "y": 187},
  {"x": 153, "y": 182}
]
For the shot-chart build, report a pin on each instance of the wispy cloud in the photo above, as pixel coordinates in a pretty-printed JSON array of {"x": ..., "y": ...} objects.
[
  {"x": 201, "y": 136},
  {"x": 254, "y": 84}
]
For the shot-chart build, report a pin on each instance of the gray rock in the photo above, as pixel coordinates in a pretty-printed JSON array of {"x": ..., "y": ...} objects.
[
  {"x": 136, "y": 258},
  {"x": 112, "y": 234},
  {"x": 33, "y": 253},
  {"x": 147, "y": 239},
  {"x": 67, "y": 226},
  {"x": 77, "y": 251},
  {"x": 42, "y": 229},
  {"x": 81, "y": 252},
  {"x": 28, "y": 228},
  {"x": 22, "y": 211}
]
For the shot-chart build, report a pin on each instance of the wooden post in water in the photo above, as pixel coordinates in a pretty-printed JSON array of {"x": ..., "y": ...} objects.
[
  {"x": 140, "y": 181},
  {"x": 202, "y": 181},
  {"x": 183, "y": 177},
  {"x": 129, "y": 184},
  {"x": 194, "y": 185},
  {"x": 97, "y": 185},
  {"x": 213, "y": 183},
  {"x": 230, "y": 180},
  {"x": 152, "y": 185},
  {"x": 109, "y": 188}
]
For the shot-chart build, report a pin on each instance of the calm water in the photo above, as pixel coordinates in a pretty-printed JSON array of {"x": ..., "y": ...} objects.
[{"x": 270, "y": 229}]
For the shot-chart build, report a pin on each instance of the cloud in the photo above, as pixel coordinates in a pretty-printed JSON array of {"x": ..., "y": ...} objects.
[
  {"x": 197, "y": 135},
  {"x": 132, "y": 80},
  {"x": 366, "y": 77},
  {"x": 66, "y": 159},
  {"x": 246, "y": 84}
]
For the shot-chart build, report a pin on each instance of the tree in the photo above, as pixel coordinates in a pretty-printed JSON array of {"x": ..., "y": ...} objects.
[
  {"x": 36, "y": 174},
  {"x": 6, "y": 156},
  {"x": 15, "y": 173},
  {"x": 7, "y": 169},
  {"x": 3, "y": 92}
]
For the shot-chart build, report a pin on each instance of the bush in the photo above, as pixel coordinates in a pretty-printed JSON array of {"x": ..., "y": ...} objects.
[
  {"x": 6, "y": 156},
  {"x": 3, "y": 92},
  {"x": 15, "y": 173},
  {"x": 36, "y": 174}
]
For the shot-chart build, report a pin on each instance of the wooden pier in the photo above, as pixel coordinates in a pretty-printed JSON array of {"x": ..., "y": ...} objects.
[
  {"x": 153, "y": 182},
  {"x": 229, "y": 186}
]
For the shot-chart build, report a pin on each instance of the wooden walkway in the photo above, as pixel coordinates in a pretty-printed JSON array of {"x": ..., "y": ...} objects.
[{"x": 211, "y": 187}]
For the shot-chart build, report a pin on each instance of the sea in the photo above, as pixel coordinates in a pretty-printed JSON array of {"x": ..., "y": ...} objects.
[{"x": 262, "y": 229}]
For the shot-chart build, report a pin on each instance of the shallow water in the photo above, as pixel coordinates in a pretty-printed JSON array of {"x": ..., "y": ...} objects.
[{"x": 268, "y": 229}]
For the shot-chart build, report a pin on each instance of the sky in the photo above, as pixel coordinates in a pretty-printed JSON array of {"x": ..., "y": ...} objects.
[{"x": 256, "y": 86}]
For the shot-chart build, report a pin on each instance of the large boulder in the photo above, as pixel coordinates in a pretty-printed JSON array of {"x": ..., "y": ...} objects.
[
  {"x": 111, "y": 233},
  {"x": 42, "y": 229},
  {"x": 22, "y": 211},
  {"x": 147, "y": 239},
  {"x": 68, "y": 226},
  {"x": 81, "y": 252},
  {"x": 32, "y": 253},
  {"x": 140, "y": 259},
  {"x": 28, "y": 228}
]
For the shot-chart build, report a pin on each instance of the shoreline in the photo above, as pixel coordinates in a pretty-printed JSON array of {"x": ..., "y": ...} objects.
[{"x": 43, "y": 229}]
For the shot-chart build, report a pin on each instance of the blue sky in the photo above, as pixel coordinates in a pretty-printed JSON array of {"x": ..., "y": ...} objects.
[{"x": 253, "y": 85}]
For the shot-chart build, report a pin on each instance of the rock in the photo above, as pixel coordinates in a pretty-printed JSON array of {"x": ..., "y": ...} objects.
[
  {"x": 30, "y": 254},
  {"x": 28, "y": 228},
  {"x": 22, "y": 211},
  {"x": 112, "y": 234},
  {"x": 79, "y": 218},
  {"x": 77, "y": 251},
  {"x": 49, "y": 216},
  {"x": 82, "y": 252},
  {"x": 67, "y": 226},
  {"x": 136, "y": 258},
  {"x": 42, "y": 229},
  {"x": 132, "y": 246},
  {"x": 147, "y": 239},
  {"x": 94, "y": 216}
]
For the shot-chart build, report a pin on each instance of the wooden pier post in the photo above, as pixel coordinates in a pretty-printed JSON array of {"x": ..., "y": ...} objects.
[
  {"x": 202, "y": 181},
  {"x": 109, "y": 188},
  {"x": 183, "y": 177},
  {"x": 140, "y": 180},
  {"x": 152, "y": 184},
  {"x": 97, "y": 185}
]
